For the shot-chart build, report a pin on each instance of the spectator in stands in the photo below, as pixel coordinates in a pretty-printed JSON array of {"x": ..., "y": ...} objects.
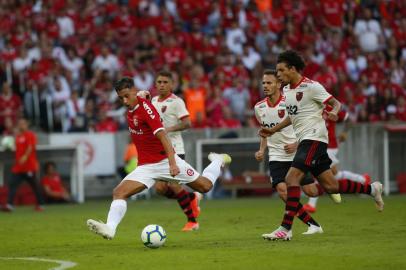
[
  {"x": 368, "y": 31},
  {"x": 52, "y": 184},
  {"x": 106, "y": 61},
  {"x": 238, "y": 97},
  {"x": 26, "y": 165},
  {"x": 195, "y": 99},
  {"x": 178, "y": 35},
  {"x": 10, "y": 105},
  {"x": 105, "y": 123},
  {"x": 214, "y": 106}
]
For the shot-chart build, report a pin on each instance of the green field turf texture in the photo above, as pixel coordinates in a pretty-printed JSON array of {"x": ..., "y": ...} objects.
[{"x": 356, "y": 236}]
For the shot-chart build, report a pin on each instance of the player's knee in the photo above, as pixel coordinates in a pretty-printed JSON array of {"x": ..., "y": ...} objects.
[
  {"x": 205, "y": 187},
  {"x": 283, "y": 194},
  {"x": 161, "y": 189},
  {"x": 330, "y": 188},
  {"x": 118, "y": 194}
]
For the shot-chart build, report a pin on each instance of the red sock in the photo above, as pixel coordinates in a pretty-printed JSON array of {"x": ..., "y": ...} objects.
[
  {"x": 348, "y": 186},
  {"x": 291, "y": 206},
  {"x": 184, "y": 199}
]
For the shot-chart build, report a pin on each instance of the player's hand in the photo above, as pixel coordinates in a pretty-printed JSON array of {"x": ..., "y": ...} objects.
[
  {"x": 265, "y": 132},
  {"x": 174, "y": 170},
  {"x": 290, "y": 148},
  {"x": 342, "y": 137},
  {"x": 144, "y": 94},
  {"x": 22, "y": 160},
  {"x": 259, "y": 155},
  {"x": 332, "y": 116}
]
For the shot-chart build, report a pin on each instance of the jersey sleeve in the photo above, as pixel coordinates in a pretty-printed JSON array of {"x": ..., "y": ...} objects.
[
  {"x": 257, "y": 115},
  {"x": 181, "y": 111},
  {"x": 320, "y": 94},
  {"x": 342, "y": 116},
  {"x": 151, "y": 116},
  {"x": 32, "y": 139}
]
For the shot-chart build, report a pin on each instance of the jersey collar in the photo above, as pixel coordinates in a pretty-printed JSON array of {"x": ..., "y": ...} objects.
[
  {"x": 165, "y": 98},
  {"x": 133, "y": 109},
  {"x": 296, "y": 85},
  {"x": 276, "y": 103}
]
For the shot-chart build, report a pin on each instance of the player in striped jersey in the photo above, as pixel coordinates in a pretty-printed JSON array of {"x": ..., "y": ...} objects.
[
  {"x": 305, "y": 101},
  {"x": 175, "y": 118},
  {"x": 281, "y": 147}
]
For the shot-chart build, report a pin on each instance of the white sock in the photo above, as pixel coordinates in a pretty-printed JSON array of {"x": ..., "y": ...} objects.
[
  {"x": 213, "y": 170},
  {"x": 373, "y": 190},
  {"x": 116, "y": 213},
  {"x": 351, "y": 176},
  {"x": 313, "y": 201}
]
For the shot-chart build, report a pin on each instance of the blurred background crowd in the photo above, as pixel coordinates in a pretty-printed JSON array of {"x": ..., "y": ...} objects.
[{"x": 59, "y": 58}]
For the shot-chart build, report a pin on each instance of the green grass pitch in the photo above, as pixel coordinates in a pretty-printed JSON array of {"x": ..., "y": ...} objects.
[{"x": 356, "y": 236}]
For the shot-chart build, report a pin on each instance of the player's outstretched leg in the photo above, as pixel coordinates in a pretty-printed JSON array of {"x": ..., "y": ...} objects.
[
  {"x": 192, "y": 224},
  {"x": 188, "y": 202},
  {"x": 346, "y": 186},
  {"x": 363, "y": 179},
  {"x": 117, "y": 210},
  {"x": 205, "y": 182}
]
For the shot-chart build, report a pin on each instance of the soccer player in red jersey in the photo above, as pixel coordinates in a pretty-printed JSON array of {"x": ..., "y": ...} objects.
[
  {"x": 157, "y": 159},
  {"x": 26, "y": 165},
  {"x": 332, "y": 152}
]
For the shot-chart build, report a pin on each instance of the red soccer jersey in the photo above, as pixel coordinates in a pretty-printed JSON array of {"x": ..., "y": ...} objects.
[
  {"x": 143, "y": 123},
  {"x": 10, "y": 107},
  {"x": 22, "y": 142},
  {"x": 53, "y": 182},
  {"x": 331, "y": 127}
]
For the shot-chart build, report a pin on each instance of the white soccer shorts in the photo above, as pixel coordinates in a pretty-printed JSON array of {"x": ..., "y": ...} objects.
[
  {"x": 149, "y": 173},
  {"x": 333, "y": 155}
]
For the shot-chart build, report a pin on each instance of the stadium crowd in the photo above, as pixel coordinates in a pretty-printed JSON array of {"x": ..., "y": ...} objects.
[{"x": 65, "y": 55}]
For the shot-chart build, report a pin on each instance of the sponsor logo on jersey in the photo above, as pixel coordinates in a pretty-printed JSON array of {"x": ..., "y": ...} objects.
[
  {"x": 190, "y": 172},
  {"x": 281, "y": 113},
  {"x": 299, "y": 96},
  {"x": 135, "y": 121},
  {"x": 163, "y": 109},
  {"x": 148, "y": 110},
  {"x": 134, "y": 131}
]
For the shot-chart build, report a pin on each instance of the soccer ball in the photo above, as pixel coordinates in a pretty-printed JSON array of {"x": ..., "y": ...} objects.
[
  {"x": 8, "y": 142},
  {"x": 153, "y": 236}
]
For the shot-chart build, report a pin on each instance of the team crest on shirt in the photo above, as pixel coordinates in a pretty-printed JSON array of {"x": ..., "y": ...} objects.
[
  {"x": 281, "y": 113},
  {"x": 135, "y": 121},
  {"x": 299, "y": 96},
  {"x": 163, "y": 109},
  {"x": 190, "y": 172}
]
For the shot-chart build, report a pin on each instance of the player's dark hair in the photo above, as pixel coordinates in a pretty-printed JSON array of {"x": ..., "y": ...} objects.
[
  {"x": 269, "y": 72},
  {"x": 123, "y": 83},
  {"x": 291, "y": 59},
  {"x": 49, "y": 164},
  {"x": 165, "y": 73}
]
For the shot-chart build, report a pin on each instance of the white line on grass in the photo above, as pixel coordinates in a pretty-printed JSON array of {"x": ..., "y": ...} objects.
[{"x": 62, "y": 264}]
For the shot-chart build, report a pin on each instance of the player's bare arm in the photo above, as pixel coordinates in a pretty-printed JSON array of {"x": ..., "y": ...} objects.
[
  {"x": 333, "y": 114},
  {"x": 166, "y": 143},
  {"x": 26, "y": 154},
  {"x": 342, "y": 137},
  {"x": 266, "y": 132},
  {"x": 259, "y": 155},
  {"x": 184, "y": 124},
  {"x": 290, "y": 148}
]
